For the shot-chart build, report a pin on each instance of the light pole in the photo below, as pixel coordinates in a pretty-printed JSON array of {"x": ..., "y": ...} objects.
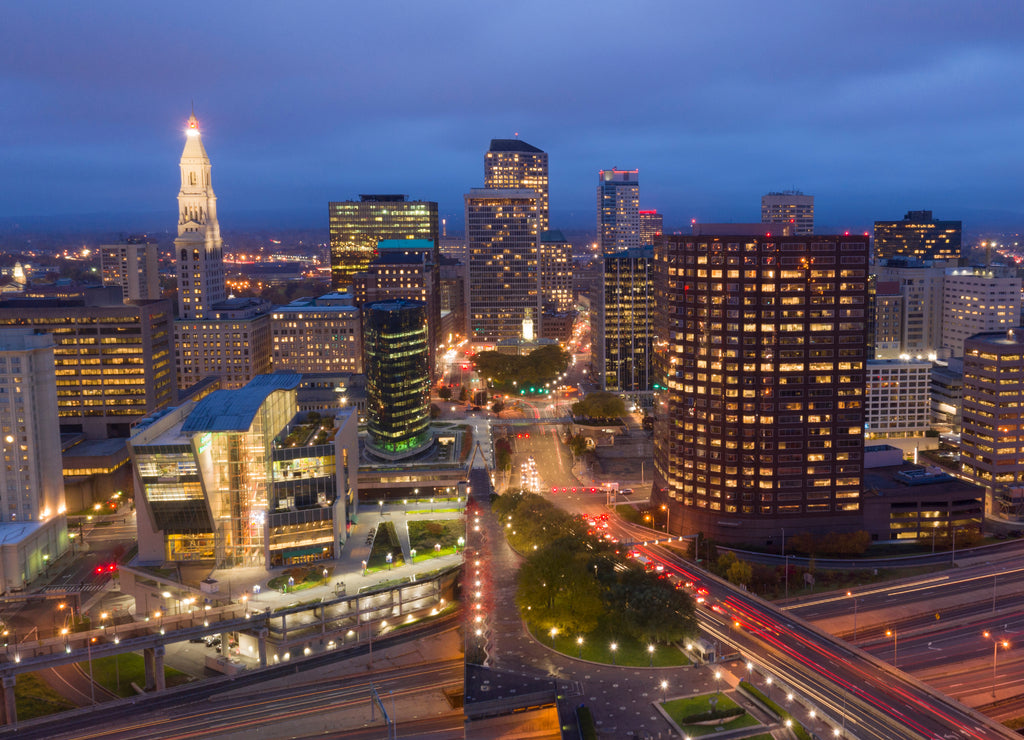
[
  {"x": 664, "y": 688},
  {"x": 614, "y": 646},
  {"x": 996, "y": 644},
  {"x": 668, "y": 515},
  {"x": 850, "y": 594},
  {"x": 718, "y": 681},
  {"x": 554, "y": 634},
  {"x": 895, "y": 645},
  {"x": 325, "y": 576},
  {"x": 650, "y": 655},
  {"x": 579, "y": 647},
  {"x": 786, "y": 566},
  {"x": 935, "y": 529}
]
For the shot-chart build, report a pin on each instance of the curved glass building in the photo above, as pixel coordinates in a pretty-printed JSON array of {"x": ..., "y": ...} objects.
[{"x": 397, "y": 376}]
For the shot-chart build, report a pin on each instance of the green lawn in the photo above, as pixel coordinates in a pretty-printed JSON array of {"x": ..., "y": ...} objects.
[
  {"x": 128, "y": 667},
  {"x": 425, "y": 534},
  {"x": 34, "y": 698},
  {"x": 685, "y": 710},
  {"x": 596, "y": 647},
  {"x": 385, "y": 541},
  {"x": 303, "y": 577}
]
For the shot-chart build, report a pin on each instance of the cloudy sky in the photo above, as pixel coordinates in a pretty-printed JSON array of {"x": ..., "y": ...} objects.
[{"x": 875, "y": 107}]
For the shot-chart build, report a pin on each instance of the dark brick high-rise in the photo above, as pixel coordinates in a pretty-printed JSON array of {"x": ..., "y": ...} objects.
[{"x": 760, "y": 347}]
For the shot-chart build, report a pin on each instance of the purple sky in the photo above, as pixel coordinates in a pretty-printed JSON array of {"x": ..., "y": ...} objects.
[{"x": 876, "y": 108}]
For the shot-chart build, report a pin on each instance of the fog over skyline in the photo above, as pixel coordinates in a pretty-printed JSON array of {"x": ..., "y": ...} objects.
[{"x": 875, "y": 108}]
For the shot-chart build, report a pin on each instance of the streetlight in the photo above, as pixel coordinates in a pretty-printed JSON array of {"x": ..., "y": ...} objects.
[
  {"x": 364, "y": 567},
  {"x": 614, "y": 646},
  {"x": 325, "y": 576},
  {"x": 895, "y": 642},
  {"x": 579, "y": 646},
  {"x": 718, "y": 681},
  {"x": 388, "y": 558},
  {"x": 668, "y": 515},
  {"x": 768, "y": 680},
  {"x": 935, "y": 528},
  {"x": 650, "y": 655},
  {"x": 462, "y": 541},
  {"x": 664, "y": 687},
  {"x": 850, "y": 594},
  {"x": 996, "y": 644},
  {"x": 412, "y": 555},
  {"x": 554, "y": 633}
]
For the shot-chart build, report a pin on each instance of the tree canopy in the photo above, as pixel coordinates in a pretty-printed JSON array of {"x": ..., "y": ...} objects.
[
  {"x": 599, "y": 405},
  {"x": 541, "y": 366}
]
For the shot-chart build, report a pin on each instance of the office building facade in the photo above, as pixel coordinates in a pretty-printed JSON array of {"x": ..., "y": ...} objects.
[
  {"x": 309, "y": 337},
  {"x": 622, "y": 328},
  {"x": 618, "y": 210},
  {"x": 555, "y": 271},
  {"x": 992, "y": 432},
  {"x": 242, "y": 479},
  {"x": 918, "y": 236},
  {"x": 651, "y": 226},
  {"x": 397, "y": 377},
  {"x": 512, "y": 164},
  {"x": 898, "y": 400},
  {"x": 233, "y": 344},
  {"x": 115, "y": 360},
  {"x": 502, "y": 235},
  {"x": 789, "y": 207},
  {"x": 760, "y": 347},
  {"x": 977, "y": 300},
  {"x": 358, "y": 226}
]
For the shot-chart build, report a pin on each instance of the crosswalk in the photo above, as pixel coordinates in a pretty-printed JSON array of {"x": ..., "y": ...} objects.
[{"x": 75, "y": 588}]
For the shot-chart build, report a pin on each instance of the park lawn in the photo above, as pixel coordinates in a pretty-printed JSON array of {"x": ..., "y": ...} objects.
[
  {"x": 385, "y": 541},
  {"x": 425, "y": 534},
  {"x": 34, "y": 698},
  {"x": 305, "y": 577},
  {"x": 130, "y": 667},
  {"x": 682, "y": 709},
  {"x": 629, "y": 651}
]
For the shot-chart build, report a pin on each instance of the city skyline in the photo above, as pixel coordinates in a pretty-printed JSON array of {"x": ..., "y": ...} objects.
[{"x": 323, "y": 103}]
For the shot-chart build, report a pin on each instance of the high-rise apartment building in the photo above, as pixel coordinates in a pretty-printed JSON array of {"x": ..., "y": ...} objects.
[
  {"x": 134, "y": 266},
  {"x": 555, "y": 271},
  {"x": 761, "y": 345},
  {"x": 198, "y": 248},
  {"x": 622, "y": 328},
  {"x": 977, "y": 300},
  {"x": 314, "y": 336},
  {"x": 992, "y": 432},
  {"x": 651, "y": 226},
  {"x": 33, "y": 527},
  {"x": 115, "y": 360},
  {"x": 918, "y": 235},
  {"x": 397, "y": 377},
  {"x": 502, "y": 236},
  {"x": 512, "y": 164},
  {"x": 358, "y": 226},
  {"x": 618, "y": 210},
  {"x": 789, "y": 207}
]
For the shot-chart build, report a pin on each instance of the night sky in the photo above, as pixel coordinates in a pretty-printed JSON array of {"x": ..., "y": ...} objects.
[{"x": 875, "y": 108}]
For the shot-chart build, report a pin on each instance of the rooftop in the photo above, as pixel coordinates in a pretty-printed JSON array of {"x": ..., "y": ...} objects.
[
  {"x": 513, "y": 145},
  {"x": 234, "y": 410}
]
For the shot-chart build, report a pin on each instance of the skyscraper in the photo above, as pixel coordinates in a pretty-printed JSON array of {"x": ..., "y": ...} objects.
[
  {"x": 514, "y": 164},
  {"x": 789, "y": 207},
  {"x": 651, "y": 226},
  {"x": 918, "y": 235},
  {"x": 761, "y": 353},
  {"x": 198, "y": 248},
  {"x": 502, "y": 238},
  {"x": 623, "y": 329},
  {"x": 358, "y": 226},
  {"x": 618, "y": 210},
  {"x": 555, "y": 271},
  {"x": 397, "y": 376}
]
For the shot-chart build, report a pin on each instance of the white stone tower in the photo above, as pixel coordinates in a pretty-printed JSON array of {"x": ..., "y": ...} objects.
[{"x": 198, "y": 249}]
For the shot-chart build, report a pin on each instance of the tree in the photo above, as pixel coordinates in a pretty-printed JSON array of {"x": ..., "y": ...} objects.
[
  {"x": 577, "y": 445},
  {"x": 497, "y": 407},
  {"x": 650, "y": 608},
  {"x": 740, "y": 573},
  {"x": 599, "y": 405},
  {"x": 445, "y": 393},
  {"x": 463, "y": 393}
]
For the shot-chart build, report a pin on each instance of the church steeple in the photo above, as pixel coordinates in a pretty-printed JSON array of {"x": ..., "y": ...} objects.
[{"x": 198, "y": 248}]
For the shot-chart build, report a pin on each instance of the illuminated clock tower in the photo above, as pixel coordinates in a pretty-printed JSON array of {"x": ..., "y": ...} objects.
[{"x": 198, "y": 249}]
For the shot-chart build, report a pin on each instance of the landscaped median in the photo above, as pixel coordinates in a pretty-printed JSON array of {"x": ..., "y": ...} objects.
[{"x": 707, "y": 714}]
